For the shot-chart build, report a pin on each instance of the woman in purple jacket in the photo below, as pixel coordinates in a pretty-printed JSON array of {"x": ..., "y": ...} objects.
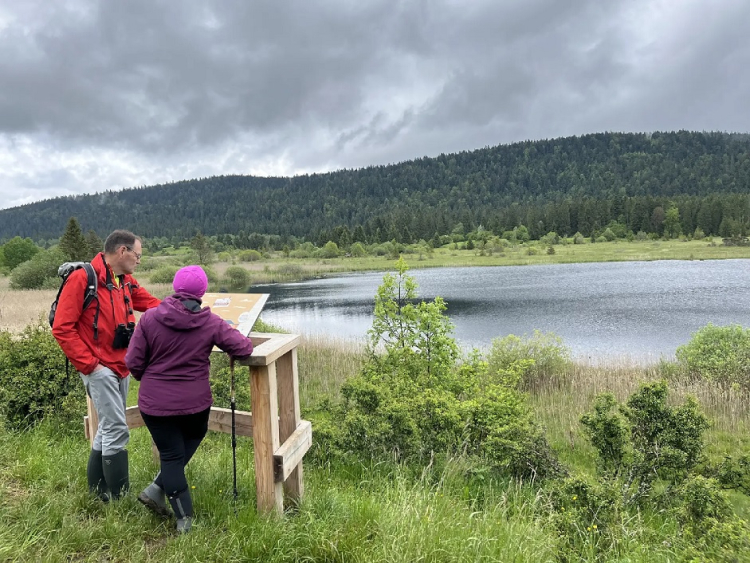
[{"x": 169, "y": 355}]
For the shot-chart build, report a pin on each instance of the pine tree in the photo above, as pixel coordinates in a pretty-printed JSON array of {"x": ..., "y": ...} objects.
[
  {"x": 204, "y": 252},
  {"x": 95, "y": 244},
  {"x": 73, "y": 243}
]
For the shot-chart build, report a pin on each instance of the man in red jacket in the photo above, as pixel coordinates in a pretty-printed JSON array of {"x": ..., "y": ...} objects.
[{"x": 95, "y": 340}]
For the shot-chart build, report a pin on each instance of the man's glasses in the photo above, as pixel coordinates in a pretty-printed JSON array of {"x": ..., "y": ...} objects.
[{"x": 137, "y": 256}]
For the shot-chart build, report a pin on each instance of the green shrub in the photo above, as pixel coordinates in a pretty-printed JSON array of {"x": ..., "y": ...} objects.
[
  {"x": 249, "y": 256},
  {"x": 211, "y": 275},
  {"x": 609, "y": 432},
  {"x": 329, "y": 250},
  {"x": 587, "y": 516},
  {"x": 237, "y": 277},
  {"x": 17, "y": 251},
  {"x": 701, "y": 499},
  {"x": 646, "y": 439},
  {"x": 550, "y": 238},
  {"x": 163, "y": 274},
  {"x": 668, "y": 439},
  {"x": 357, "y": 250},
  {"x": 34, "y": 382},
  {"x": 221, "y": 383},
  {"x": 550, "y": 358},
  {"x": 40, "y": 272},
  {"x": 148, "y": 264},
  {"x": 709, "y": 525},
  {"x": 411, "y": 400},
  {"x": 730, "y": 472},
  {"x": 718, "y": 353}
]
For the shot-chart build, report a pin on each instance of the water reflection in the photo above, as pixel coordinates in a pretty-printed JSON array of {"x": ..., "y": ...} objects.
[{"x": 639, "y": 309}]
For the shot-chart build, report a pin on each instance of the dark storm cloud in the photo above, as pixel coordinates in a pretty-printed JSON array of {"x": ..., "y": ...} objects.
[{"x": 100, "y": 95}]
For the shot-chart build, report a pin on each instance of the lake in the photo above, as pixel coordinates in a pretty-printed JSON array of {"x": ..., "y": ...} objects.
[{"x": 640, "y": 310}]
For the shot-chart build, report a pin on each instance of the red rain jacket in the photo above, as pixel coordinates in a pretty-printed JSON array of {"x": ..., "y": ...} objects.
[{"x": 74, "y": 330}]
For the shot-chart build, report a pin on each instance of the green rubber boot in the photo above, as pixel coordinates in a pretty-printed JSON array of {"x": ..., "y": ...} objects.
[
  {"x": 116, "y": 473},
  {"x": 95, "y": 476}
]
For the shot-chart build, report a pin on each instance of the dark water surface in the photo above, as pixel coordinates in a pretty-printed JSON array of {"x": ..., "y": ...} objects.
[{"x": 643, "y": 310}]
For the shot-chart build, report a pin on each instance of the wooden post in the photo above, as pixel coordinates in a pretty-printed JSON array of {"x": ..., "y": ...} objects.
[
  {"x": 289, "y": 416},
  {"x": 265, "y": 411}
]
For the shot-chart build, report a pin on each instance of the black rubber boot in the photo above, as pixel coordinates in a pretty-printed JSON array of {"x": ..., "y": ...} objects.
[
  {"x": 182, "y": 504},
  {"x": 116, "y": 473},
  {"x": 95, "y": 475}
]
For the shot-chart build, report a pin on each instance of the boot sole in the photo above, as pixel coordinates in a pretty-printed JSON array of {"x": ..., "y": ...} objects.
[{"x": 153, "y": 506}]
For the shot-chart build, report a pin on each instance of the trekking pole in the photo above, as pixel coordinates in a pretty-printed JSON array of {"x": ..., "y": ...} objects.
[{"x": 234, "y": 434}]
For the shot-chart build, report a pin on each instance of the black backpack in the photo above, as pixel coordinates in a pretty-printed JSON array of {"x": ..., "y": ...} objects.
[{"x": 89, "y": 295}]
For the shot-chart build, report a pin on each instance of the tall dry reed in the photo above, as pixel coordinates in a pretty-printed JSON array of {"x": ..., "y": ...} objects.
[
  {"x": 559, "y": 406},
  {"x": 20, "y": 308}
]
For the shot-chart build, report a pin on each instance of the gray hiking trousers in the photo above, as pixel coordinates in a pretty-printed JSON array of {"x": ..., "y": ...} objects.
[{"x": 109, "y": 392}]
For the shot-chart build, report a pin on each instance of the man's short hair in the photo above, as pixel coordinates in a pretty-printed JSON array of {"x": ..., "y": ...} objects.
[{"x": 119, "y": 238}]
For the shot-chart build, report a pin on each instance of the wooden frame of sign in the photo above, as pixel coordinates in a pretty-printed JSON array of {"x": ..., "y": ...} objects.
[{"x": 280, "y": 436}]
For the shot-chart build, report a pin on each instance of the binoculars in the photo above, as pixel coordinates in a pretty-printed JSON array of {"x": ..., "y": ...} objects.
[{"x": 122, "y": 335}]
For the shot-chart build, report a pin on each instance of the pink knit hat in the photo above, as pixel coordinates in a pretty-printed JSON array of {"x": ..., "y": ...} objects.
[{"x": 191, "y": 280}]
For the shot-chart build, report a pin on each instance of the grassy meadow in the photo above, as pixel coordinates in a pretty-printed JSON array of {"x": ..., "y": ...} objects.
[
  {"x": 277, "y": 268},
  {"x": 355, "y": 511}
]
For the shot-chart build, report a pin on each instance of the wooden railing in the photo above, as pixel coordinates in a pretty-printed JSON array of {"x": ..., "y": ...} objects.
[{"x": 280, "y": 437}]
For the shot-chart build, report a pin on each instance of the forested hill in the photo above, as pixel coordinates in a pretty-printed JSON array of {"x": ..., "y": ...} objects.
[{"x": 563, "y": 185}]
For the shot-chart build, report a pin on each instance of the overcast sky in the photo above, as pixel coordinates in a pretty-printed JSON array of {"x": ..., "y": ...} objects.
[{"x": 98, "y": 95}]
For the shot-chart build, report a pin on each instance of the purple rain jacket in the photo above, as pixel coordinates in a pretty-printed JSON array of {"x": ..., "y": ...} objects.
[{"x": 169, "y": 353}]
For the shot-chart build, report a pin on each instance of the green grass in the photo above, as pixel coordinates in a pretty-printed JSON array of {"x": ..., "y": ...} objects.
[
  {"x": 351, "y": 511},
  {"x": 348, "y": 513},
  {"x": 278, "y": 269}
]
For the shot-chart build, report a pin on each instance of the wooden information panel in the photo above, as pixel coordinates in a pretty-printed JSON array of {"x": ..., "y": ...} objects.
[{"x": 240, "y": 310}]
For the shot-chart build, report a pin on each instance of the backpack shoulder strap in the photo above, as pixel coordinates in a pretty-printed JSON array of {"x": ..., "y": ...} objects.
[
  {"x": 91, "y": 294},
  {"x": 92, "y": 285}
]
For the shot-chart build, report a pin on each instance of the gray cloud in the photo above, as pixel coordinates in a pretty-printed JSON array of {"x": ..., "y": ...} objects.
[{"x": 104, "y": 95}]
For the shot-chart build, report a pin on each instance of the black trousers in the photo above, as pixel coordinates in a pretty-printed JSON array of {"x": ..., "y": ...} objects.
[{"x": 177, "y": 438}]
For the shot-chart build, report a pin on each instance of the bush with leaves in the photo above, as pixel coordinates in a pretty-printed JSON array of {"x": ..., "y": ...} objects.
[
  {"x": 329, "y": 250},
  {"x": 237, "y": 277},
  {"x": 40, "y": 272},
  {"x": 646, "y": 439},
  {"x": 731, "y": 472},
  {"x": 588, "y": 516},
  {"x": 708, "y": 523},
  {"x": 550, "y": 358},
  {"x": 17, "y": 251},
  {"x": 249, "y": 255},
  {"x": 649, "y": 455},
  {"x": 163, "y": 274},
  {"x": 413, "y": 399},
  {"x": 220, "y": 379},
  {"x": 718, "y": 353},
  {"x": 34, "y": 382}
]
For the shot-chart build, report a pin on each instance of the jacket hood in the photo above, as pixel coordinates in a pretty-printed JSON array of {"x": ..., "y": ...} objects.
[{"x": 175, "y": 315}]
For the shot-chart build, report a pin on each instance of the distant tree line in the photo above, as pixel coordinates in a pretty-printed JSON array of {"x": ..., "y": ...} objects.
[{"x": 586, "y": 184}]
